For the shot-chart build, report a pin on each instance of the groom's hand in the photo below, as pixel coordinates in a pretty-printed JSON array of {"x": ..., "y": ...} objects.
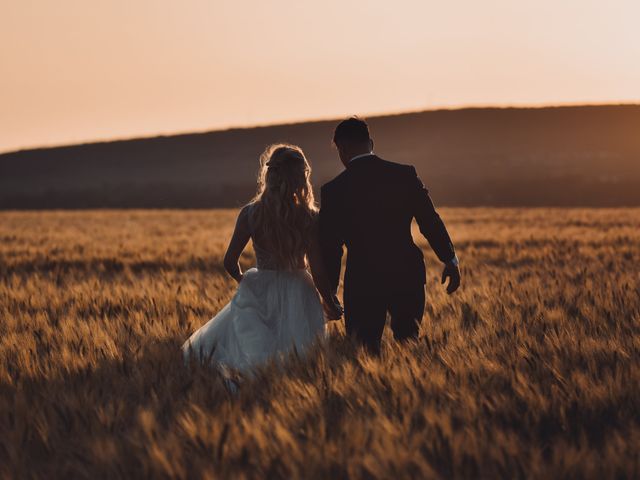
[{"x": 452, "y": 272}]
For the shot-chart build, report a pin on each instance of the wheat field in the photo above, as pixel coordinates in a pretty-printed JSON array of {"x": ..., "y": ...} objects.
[{"x": 531, "y": 370}]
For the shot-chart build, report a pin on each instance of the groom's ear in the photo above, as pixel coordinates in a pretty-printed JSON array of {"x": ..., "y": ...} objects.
[{"x": 371, "y": 144}]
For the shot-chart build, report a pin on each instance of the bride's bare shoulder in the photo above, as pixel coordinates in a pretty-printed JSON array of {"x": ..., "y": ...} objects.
[{"x": 243, "y": 221}]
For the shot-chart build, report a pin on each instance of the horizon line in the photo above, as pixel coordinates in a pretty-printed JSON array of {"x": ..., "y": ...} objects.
[{"x": 320, "y": 119}]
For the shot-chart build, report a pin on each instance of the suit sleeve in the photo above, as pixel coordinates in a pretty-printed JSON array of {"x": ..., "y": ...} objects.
[
  {"x": 331, "y": 238},
  {"x": 429, "y": 222}
]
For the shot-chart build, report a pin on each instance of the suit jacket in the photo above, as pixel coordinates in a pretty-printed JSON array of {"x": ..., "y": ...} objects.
[{"x": 369, "y": 208}]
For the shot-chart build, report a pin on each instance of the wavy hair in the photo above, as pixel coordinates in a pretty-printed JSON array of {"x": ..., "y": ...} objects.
[{"x": 284, "y": 206}]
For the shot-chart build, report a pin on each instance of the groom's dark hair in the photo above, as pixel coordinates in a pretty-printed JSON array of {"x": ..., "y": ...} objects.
[{"x": 352, "y": 130}]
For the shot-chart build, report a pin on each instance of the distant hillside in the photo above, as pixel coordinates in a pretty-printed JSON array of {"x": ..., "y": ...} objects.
[{"x": 563, "y": 156}]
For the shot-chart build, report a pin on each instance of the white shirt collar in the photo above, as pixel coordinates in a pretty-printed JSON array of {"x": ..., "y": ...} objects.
[{"x": 360, "y": 156}]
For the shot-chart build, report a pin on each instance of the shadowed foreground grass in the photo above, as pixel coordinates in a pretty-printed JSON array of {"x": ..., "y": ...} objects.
[{"x": 531, "y": 370}]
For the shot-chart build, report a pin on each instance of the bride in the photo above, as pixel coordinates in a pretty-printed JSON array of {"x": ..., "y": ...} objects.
[{"x": 276, "y": 307}]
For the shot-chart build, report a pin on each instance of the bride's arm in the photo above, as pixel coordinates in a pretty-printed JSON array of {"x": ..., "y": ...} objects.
[
  {"x": 239, "y": 240},
  {"x": 319, "y": 274}
]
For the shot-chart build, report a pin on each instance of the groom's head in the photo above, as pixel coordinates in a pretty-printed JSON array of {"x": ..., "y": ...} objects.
[{"x": 352, "y": 138}]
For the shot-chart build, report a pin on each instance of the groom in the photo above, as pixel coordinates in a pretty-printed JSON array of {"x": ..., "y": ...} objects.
[{"x": 369, "y": 208}]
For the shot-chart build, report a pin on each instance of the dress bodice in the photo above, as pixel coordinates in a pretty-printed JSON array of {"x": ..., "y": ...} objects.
[{"x": 265, "y": 259}]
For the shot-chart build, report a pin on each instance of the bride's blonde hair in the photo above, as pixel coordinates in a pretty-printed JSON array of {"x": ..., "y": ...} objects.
[{"x": 284, "y": 207}]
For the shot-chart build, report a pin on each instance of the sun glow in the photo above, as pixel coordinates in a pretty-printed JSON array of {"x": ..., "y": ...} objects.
[{"x": 75, "y": 71}]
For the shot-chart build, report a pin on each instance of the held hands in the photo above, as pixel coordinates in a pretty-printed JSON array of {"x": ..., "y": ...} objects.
[
  {"x": 332, "y": 308},
  {"x": 452, "y": 272}
]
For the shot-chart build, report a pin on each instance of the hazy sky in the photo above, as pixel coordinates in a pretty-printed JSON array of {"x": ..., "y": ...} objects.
[{"x": 79, "y": 70}]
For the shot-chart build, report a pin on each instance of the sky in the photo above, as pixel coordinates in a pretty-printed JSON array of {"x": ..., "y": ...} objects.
[{"x": 83, "y": 70}]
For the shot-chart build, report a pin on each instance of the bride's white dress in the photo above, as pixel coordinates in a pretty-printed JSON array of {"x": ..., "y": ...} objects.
[{"x": 272, "y": 312}]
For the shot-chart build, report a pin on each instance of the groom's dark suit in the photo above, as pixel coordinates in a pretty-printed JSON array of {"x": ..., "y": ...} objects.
[{"x": 369, "y": 208}]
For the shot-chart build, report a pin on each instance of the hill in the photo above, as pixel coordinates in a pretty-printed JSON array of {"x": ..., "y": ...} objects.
[{"x": 557, "y": 156}]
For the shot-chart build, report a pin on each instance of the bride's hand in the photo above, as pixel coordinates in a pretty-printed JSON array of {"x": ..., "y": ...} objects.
[{"x": 332, "y": 309}]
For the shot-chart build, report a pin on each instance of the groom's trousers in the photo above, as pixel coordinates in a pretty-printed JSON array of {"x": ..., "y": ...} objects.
[{"x": 366, "y": 313}]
